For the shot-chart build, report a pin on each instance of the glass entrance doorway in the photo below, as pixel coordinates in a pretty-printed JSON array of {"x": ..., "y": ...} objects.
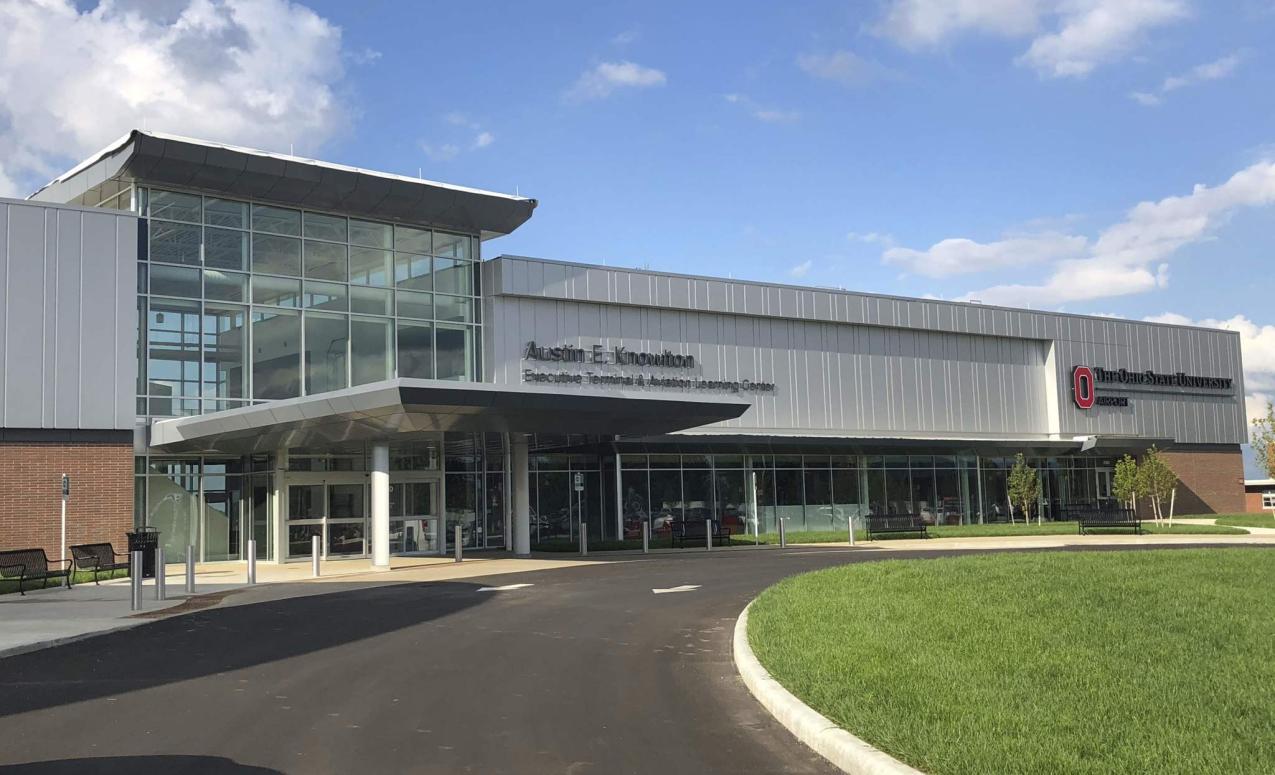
[
  {"x": 337, "y": 509},
  {"x": 414, "y": 517}
]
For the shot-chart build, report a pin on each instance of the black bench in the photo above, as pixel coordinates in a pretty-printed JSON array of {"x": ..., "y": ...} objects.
[
  {"x": 99, "y": 558},
  {"x": 895, "y": 523},
  {"x": 693, "y": 529},
  {"x": 1103, "y": 516},
  {"x": 32, "y": 564}
]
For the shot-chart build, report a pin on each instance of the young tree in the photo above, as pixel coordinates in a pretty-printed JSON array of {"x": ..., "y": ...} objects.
[
  {"x": 1157, "y": 481},
  {"x": 1024, "y": 487},
  {"x": 1125, "y": 481}
]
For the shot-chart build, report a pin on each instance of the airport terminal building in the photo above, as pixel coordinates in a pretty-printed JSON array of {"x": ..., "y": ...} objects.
[{"x": 228, "y": 344}]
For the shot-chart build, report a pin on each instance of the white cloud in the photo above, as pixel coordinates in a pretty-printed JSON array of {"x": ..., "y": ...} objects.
[
  {"x": 601, "y": 80},
  {"x": 626, "y": 37},
  {"x": 1129, "y": 257},
  {"x": 765, "y": 114},
  {"x": 871, "y": 238},
  {"x": 962, "y": 256},
  {"x": 442, "y": 152},
  {"x": 801, "y": 270},
  {"x": 481, "y": 138},
  {"x": 1068, "y": 37},
  {"x": 1209, "y": 71},
  {"x": 484, "y": 139},
  {"x": 844, "y": 67},
  {"x": 259, "y": 73}
]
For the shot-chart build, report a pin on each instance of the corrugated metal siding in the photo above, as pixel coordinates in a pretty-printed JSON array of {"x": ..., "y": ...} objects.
[
  {"x": 853, "y": 363},
  {"x": 68, "y": 329}
]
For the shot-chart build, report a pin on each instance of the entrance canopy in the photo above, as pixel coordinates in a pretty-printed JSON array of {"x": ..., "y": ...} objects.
[{"x": 382, "y": 411}]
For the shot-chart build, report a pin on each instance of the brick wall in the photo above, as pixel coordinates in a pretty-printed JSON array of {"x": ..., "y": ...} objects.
[
  {"x": 1211, "y": 479},
  {"x": 101, "y": 503}
]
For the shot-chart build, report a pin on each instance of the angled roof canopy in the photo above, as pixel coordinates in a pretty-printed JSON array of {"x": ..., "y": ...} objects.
[
  {"x": 183, "y": 162},
  {"x": 382, "y": 411}
]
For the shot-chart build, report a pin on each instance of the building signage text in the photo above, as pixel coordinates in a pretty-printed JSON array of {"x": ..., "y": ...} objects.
[
  {"x": 622, "y": 356},
  {"x": 1085, "y": 379}
]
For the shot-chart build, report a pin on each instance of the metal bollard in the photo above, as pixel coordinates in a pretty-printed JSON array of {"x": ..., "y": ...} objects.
[
  {"x": 315, "y": 551},
  {"x": 584, "y": 539},
  {"x": 136, "y": 563},
  {"x": 252, "y": 561},
  {"x": 160, "y": 573},
  {"x": 783, "y": 536},
  {"x": 456, "y": 541},
  {"x": 851, "y": 521},
  {"x": 190, "y": 570},
  {"x": 708, "y": 534},
  {"x": 646, "y": 538}
]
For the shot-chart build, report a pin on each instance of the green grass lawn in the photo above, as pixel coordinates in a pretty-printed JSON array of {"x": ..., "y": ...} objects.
[
  {"x": 1096, "y": 662},
  {"x": 1246, "y": 520},
  {"x": 80, "y": 577}
]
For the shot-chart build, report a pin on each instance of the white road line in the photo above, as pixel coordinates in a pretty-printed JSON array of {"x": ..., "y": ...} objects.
[
  {"x": 683, "y": 588},
  {"x": 505, "y": 588}
]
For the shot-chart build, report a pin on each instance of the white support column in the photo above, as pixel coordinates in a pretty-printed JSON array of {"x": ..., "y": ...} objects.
[
  {"x": 279, "y": 505},
  {"x": 619, "y": 500},
  {"x": 380, "y": 477},
  {"x": 522, "y": 496},
  {"x": 508, "y": 499}
]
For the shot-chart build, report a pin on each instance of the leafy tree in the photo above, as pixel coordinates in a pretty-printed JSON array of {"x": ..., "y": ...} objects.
[
  {"x": 1263, "y": 440},
  {"x": 1024, "y": 488},
  {"x": 1125, "y": 482},
  {"x": 1156, "y": 481}
]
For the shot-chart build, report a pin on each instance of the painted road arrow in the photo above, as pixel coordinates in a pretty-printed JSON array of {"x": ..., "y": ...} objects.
[
  {"x": 505, "y": 588},
  {"x": 683, "y": 588}
]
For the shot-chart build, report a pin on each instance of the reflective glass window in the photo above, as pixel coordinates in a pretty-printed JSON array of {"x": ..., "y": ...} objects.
[
  {"x": 276, "y": 348},
  {"x": 820, "y": 514},
  {"x": 415, "y": 305},
  {"x": 225, "y": 248},
  {"x": 325, "y": 227},
  {"x": 225, "y": 212},
  {"x": 325, "y": 261},
  {"x": 173, "y": 206},
  {"x": 453, "y": 276},
  {"x": 845, "y": 495},
  {"x": 175, "y": 281},
  {"x": 416, "y": 350},
  {"x": 410, "y": 240},
  {"x": 412, "y": 272},
  {"x": 275, "y": 291},
  {"x": 276, "y": 220},
  {"x": 666, "y": 501},
  {"x": 276, "y": 255},
  {"x": 371, "y": 267},
  {"x": 326, "y": 344},
  {"x": 225, "y": 351},
  {"x": 175, "y": 243},
  {"x": 371, "y": 234},
  {"x": 454, "y": 308},
  {"x": 172, "y": 348},
  {"x": 225, "y": 286},
  {"x": 451, "y": 245},
  {"x": 455, "y": 352},
  {"x": 370, "y": 301},
  {"x": 371, "y": 350},
  {"x": 328, "y": 296}
]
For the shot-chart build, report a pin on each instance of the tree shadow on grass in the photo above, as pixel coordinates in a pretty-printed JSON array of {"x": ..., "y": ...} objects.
[{"x": 220, "y": 640}]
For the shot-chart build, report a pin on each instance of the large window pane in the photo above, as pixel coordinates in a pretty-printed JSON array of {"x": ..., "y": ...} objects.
[
  {"x": 276, "y": 220},
  {"x": 175, "y": 281},
  {"x": 345, "y": 501},
  {"x": 788, "y": 498},
  {"x": 730, "y": 501},
  {"x": 225, "y": 248},
  {"x": 327, "y": 227},
  {"x": 455, "y": 353},
  {"x": 462, "y": 507},
  {"x": 226, "y": 212},
  {"x": 276, "y": 255},
  {"x": 951, "y": 496},
  {"x": 411, "y": 271},
  {"x": 325, "y": 261},
  {"x": 370, "y": 301},
  {"x": 173, "y": 206},
  {"x": 453, "y": 276},
  {"x": 898, "y": 491},
  {"x": 415, "y": 350},
  {"x": 371, "y": 350},
  {"x": 923, "y": 494},
  {"x": 175, "y": 243},
  {"x": 451, "y": 245},
  {"x": 345, "y": 538},
  {"x": 225, "y": 351},
  {"x": 275, "y": 291},
  {"x": 845, "y": 495},
  {"x": 276, "y": 348},
  {"x": 326, "y": 340},
  {"x": 328, "y": 296},
  {"x": 635, "y": 502},
  {"x": 172, "y": 360},
  {"x": 370, "y": 234},
  {"x": 697, "y": 493},
  {"x": 819, "y": 510},
  {"x": 666, "y": 501},
  {"x": 411, "y": 304},
  {"x": 172, "y": 504},
  {"x": 225, "y": 286},
  {"x": 455, "y": 309},
  {"x": 371, "y": 267},
  {"x": 410, "y": 240}
]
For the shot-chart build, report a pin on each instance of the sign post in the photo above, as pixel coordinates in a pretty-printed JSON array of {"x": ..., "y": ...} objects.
[
  {"x": 66, "y": 494},
  {"x": 578, "y": 486}
]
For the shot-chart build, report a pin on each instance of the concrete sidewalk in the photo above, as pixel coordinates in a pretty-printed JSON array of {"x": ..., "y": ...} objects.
[{"x": 55, "y": 615}]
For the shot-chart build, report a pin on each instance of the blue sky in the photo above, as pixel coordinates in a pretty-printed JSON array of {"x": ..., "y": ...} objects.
[{"x": 1043, "y": 153}]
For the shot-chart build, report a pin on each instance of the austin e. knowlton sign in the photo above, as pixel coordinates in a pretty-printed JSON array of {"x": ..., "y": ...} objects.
[{"x": 620, "y": 356}]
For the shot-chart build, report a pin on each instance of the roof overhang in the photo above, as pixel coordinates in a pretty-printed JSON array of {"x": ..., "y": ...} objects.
[
  {"x": 387, "y": 411},
  {"x": 247, "y": 173}
]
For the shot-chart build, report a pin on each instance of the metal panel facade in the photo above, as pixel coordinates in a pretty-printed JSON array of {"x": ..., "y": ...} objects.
[
  {"x": 68, "y": 331},
  {"x": 852, "y": 364}
]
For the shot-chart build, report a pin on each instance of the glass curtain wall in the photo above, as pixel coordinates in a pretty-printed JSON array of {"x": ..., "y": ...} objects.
[
  {"x": 320, "y": 301},
  {"x": 213, "y": 504},
  {"x": 557, "y": 508}
]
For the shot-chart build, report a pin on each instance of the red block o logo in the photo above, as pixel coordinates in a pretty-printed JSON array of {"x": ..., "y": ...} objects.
[{"x": 1082, "y": 387}]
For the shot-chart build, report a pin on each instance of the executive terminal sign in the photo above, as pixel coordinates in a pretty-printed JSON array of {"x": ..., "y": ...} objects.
[
  {"x": 1084, "y": 381},
  {"x": 625, "y": 377}
]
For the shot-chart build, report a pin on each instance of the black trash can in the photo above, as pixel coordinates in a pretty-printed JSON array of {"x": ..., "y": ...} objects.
[{"x": 144, "y": 540}]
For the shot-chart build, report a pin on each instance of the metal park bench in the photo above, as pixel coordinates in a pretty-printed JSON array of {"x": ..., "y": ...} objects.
[
  {"x": 1094, "y": 516},
  {"x": 895, "y": 523},
  {"x": 693, "y": 529},
  {"x": 24, "y": 564},
  {"x": 99, "y": 558}
]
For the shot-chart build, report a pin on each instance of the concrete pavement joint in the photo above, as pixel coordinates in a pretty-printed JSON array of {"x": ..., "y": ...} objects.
[{"x": 816, "y": 731}]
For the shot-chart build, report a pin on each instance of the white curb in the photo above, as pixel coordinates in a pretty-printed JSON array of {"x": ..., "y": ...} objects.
[{"x": 847, "y": 752}]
